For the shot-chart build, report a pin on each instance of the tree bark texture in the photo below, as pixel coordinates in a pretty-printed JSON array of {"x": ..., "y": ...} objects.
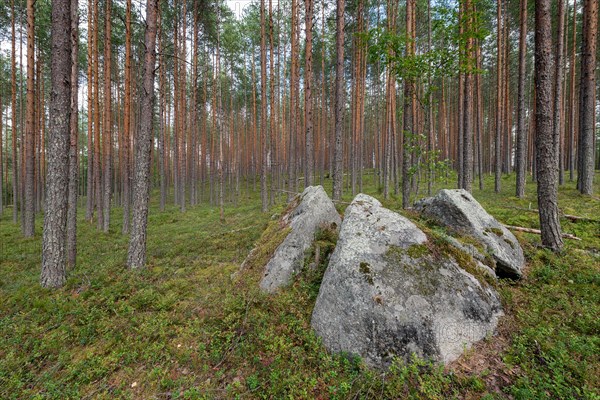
[
  {"x": 546, "y": 157},
  {"x": 55, "y": 218},
  {"x": 136, "y": 257},
  {"x": 339, "y": 103},
  {"x": 521, "y": 155},
  {"x": 587, "y": 87},
  {"x": 308, "y": 83},
  {"x": 74, "y": 135},
  {"x": 29, "y": 155}
]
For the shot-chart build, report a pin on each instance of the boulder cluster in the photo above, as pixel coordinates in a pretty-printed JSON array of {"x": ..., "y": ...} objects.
[{"x": 392, "y": 289}]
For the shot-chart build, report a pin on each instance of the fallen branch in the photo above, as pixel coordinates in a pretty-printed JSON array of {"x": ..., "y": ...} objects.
[
  {"x": 538, "y": 232},
  {"x": 573, "y": 218}
]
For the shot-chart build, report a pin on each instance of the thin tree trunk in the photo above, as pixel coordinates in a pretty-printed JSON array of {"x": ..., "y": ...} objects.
[
  {"x": 408, "y": 106},
  {"x": 479, "y": 116},
  {"x": 264, "y": 195},
  {"x": 89, "y": 208},
  {"x": 182, "y": 112},
  {"x": 136, "y": 257},
  {"x": 558, "y": 87},
  {"x": 294, "y": 98},
  {"x": 15, "y": 169},
  {"x": 308, "y": 83},
  {"x": 219, "y": 119},
  {"x": 55, "y": 217},
  {"x": 127, "y": 121},
  {"x": 339, "y": 103},
  {"x": 521, "y": 132},
  {"x": 499, "y": 63},
  {"x": 107, "y": 134},
  {"x": 467, "y": 169},
  {"x": 98, "y": 195},
  {"x": 546, "y": 157},
  {"x": 572, "y": 95},
  {"x": 29, "y": 148},
  {"x": 587, "y": 85},
  {"x": 1, "y": 163}
]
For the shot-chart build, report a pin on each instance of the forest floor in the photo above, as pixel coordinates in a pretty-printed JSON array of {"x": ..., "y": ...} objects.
[{"x": 182, "y": 328}]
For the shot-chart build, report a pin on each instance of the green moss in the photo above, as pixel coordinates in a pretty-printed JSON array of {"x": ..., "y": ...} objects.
[
  {"x": 264, "y": 249},
  {"x": 417, "y": 251},
  {"x": 365, "y": 269}
]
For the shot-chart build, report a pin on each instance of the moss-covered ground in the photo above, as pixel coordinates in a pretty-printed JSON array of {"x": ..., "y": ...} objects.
[{"x": 184, "y": 329}]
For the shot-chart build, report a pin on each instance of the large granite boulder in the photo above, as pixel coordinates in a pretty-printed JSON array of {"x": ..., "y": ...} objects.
[
  {"x": 389, "y": 292},
  {"x": 459, "y": 211},
  {"x": 308, "y": 212}
]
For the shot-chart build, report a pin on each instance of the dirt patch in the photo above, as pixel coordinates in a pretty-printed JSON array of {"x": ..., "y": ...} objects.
[{"x": 484, "y": 359}]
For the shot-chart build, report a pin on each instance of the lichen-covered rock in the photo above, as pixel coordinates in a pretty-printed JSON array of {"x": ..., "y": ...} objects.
[
  {"x": 388, "y": 292},
  {"x": 459, "y": 211},
  {"x": 308, "y": 212}
]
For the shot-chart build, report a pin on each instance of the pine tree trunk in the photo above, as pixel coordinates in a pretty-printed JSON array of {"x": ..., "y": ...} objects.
[
  {"x": 521, "y": 133},
  {"x": 479, "y": 116},
  {"x": 98, "y": 195},
  {"x": 587, "y": 85},
  {"x": 74, "y": 137},
  {"x": 89, "y": 208},
  {"x": 467, "y": 169},
  {"x": 127, "y": 121},
  {"x": 264, "y": 195},
  {"x": 558, "y": 87},
  {"x": 15, "y": 169},
  {"x": 182, "y": 112},
  {"x": 107, "y": 134},
  {"x": 546, "y": 157},
  {"x": 308, "y": 83},
  {"x": 136, "y": 257},
  {"x": 1, "y": 164},
  {"x": 572, "y": 97},
  {"x": 294, "y": 95},
  {"x": 55, "y": 217},
  {"x": 28, "y": 150},
  {"x": 408, "y": 106},
  {"x": 338, "y": 154},
  {"x": 497, "y": 144}
]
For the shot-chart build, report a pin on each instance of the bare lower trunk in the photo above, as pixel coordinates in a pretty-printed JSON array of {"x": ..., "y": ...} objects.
[
  {"x": 408, "y": 107},
  {"x": 74, "y": 135},
  {"x": 497, "y": 149},
  {"x": 572, "y": 97},
  {"x": 89, "y": 208},
  {"x": 127, "y": 122},
  {"x": 136, "y": 257},
  {"x": 29, "y": 156},
  {"x": 521, "y": 132},
  {"x": 558, "y": 87},
  {"x": 263, "y": 110},
  {"x": 339, "y": 103},
  {"x": 107, "y": 119},
  {"x": 15, "y": 169},
  {"x": 55, "y": 218},
  {"x": 585, "y": 178},
  {"x": 546, "y": 157},
  {"x": 308, "y": 81}
]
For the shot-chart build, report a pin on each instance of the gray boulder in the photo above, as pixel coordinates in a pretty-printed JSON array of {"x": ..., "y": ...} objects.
[
  {"x": 308, "y": 212},
  {"x": 387, "y": 292},
  {"x": 459, "y": 211}
]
